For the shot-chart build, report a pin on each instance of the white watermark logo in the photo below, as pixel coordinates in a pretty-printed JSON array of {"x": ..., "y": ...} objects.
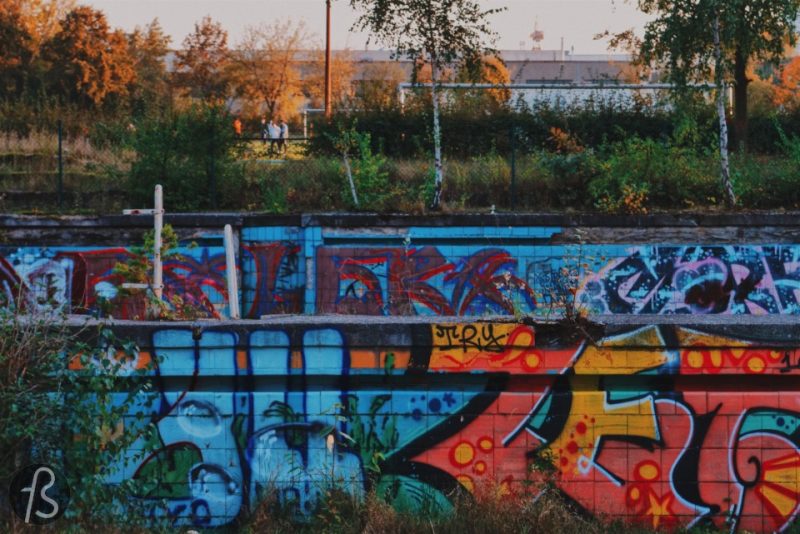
[{"x": 39, "y": 495}]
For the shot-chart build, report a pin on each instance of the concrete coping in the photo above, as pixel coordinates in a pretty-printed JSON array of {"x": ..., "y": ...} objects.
[
  {"x": 717, "y": 320},
  {"x": 356, "y": 220}
]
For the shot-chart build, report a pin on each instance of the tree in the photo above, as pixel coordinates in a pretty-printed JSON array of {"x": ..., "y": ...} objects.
[
  {"x": 17, "y": 46},
  {"x": 440, "y": 32},
  {"x": 25, "y": 25},
  {"x": 89, "y": 63},
  {"x": 490, "y": 70},
  {"x": 265, "y": 66},
  {"x": 762, "y": 95},
  {"x": 725, "y": 172},
  {"x": 787, "y": 93},
  {"x": 178, "y": 147},
  {"x": 40, "y": 18},
  {"x": 203, "y": 61},
  {"x": 148, "y": 48},
  {"x": 343, "y": 71},
  {"x": 682, "y": 36},
  {"x": 377, "y": 88}
]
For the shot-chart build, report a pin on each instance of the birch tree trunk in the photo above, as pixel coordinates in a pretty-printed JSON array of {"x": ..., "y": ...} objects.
[
  {"x": 350, "y": 177},
  {"x": 437, "y": 137},
  {"x": 730, "y": 195}
]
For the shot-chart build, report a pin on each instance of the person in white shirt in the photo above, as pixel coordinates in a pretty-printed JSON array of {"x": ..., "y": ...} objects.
[{"x": 274, "y": 135}]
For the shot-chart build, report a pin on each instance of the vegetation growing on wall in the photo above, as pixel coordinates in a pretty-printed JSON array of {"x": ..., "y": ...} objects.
[{"x": 63, "y": 395}]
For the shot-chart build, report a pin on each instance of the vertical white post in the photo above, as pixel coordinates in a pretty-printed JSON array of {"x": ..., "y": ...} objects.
[
  {"x": 158, "y": 286},
  {"x": 230, "y": 269},
  {"x": 305, "y": 123}
]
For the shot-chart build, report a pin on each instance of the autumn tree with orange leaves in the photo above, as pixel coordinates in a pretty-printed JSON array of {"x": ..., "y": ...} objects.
[
  {"x": 41, "y": 19},
  {"x": 376, "y": 90},
  {"x": 89, "y": 63},
  {"x": 489, "y": 70},
  {"x": 25, "y": 25},
  {"x": 202, "y": 63},
  {"x": 265, "y": 68},
  {"x": 17, "y": 46},
  {"x": 786, "y": 92},
  {"x": 343, "y": 70}
]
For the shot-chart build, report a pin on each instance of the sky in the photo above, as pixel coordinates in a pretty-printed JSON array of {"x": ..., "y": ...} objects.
[{"x": 577, "y": 21}]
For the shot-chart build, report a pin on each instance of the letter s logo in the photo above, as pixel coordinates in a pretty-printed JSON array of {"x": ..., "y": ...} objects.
[
  {"x": 42, "y": 493},
  {"x": 39, "y": 495}
]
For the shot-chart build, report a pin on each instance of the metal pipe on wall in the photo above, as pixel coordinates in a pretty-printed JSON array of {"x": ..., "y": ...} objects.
[{"x": 231, "y": 274}]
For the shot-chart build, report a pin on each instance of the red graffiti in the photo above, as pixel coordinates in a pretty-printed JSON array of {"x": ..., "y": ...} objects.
[
  {"x": 12, "y": 289},
  {"x": 274, "y": 262},
  {"x": 394, "y": 281}
]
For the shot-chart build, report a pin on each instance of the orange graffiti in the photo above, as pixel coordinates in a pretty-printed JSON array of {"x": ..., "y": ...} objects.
[{"x": 484, "y": 347}]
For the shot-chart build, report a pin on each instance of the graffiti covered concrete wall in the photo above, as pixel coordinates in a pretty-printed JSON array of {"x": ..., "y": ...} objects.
[
  {"x": 438, "y": 270},
  {"x": 662, "y": 423},
  {"x": 79, "y": 279}
]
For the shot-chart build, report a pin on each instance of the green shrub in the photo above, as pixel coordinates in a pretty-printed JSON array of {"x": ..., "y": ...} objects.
[
  {"x": 192, "y": 154},
  {"x": 655, "y": 174},
  {"x": 763, "y": 182},
  {"x": 294, "y": 186},
  {"x": 366, "y": 179},
  {"x": 572, "y": 175}
]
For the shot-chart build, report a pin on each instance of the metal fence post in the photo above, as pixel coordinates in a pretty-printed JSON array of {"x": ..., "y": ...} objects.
[
  {"x": 60, "y": 165},
  {"x": 158, "y": 226},
  {"x": 212, "y": 169},
  {"x": 513, "y": 146}
]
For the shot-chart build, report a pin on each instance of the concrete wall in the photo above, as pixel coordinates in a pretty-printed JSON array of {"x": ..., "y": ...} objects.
[
  {"x": 403, "y": 266},
  {"x": 658, "y": 420},
  {"x": 683, "y": 408}
]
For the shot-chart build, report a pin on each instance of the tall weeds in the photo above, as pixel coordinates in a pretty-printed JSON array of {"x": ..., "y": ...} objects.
[{"x": 489, "y": 509}]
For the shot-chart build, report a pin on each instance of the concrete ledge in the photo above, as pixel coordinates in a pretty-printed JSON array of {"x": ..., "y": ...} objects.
[
  {"x": 678, "y": 220},
  {"x": 726, "y": 331}
]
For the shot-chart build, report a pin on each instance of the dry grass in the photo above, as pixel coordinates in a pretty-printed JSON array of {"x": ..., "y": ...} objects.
[
  {"x": 490, "y": 509},
  {"x": 79, "y": 151},
  {"x": 93, "y": 177}
]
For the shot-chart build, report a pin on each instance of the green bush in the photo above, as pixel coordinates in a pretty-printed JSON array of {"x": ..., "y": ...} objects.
[
  {"x": 666, "y": 174},
  {"x": 192, "y": 154},
  {"x": 572, "y": 175},
  {"x": 766, "y": 182},
  {"x": 294, "y": 186},
  {"x": 367, "y": 181}
]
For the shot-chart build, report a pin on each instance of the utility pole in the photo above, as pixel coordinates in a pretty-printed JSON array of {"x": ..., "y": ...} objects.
[{"x": 328, "y": 58}]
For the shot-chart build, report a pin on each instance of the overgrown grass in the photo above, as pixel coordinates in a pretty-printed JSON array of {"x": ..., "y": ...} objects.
[{"x": 92, "y": 176}]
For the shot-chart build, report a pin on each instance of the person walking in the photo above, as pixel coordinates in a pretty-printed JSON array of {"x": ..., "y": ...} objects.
[
  {"x": 274, "y": 136},
  {"x": 283, "y": 144},
  {"x": 264, "y": 130},
  {"x": 237, "y": 127}
]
